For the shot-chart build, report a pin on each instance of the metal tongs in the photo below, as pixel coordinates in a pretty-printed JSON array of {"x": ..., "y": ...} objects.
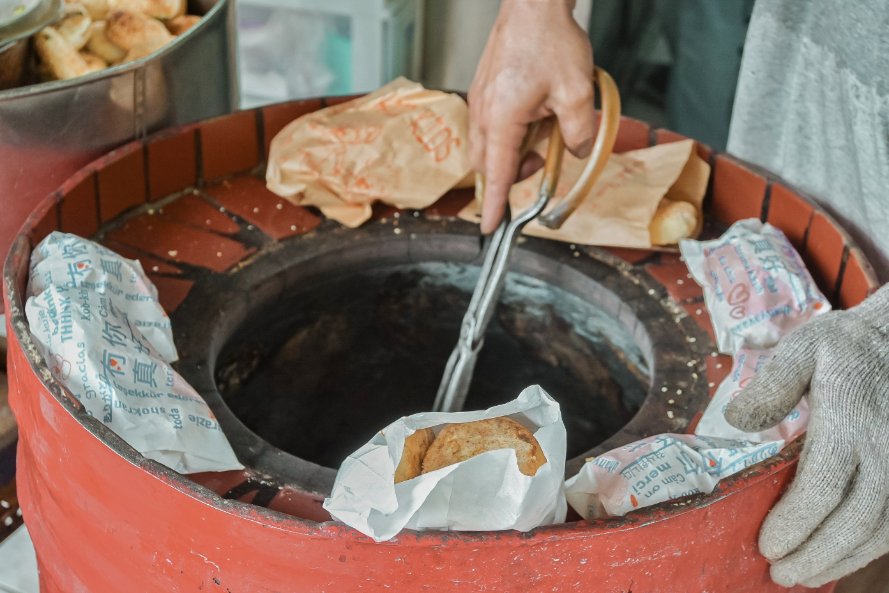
[{"x": 458, "y": 372}]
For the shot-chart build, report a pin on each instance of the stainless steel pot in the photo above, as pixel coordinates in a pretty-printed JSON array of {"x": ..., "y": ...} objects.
[
  {"x": 50, "y": 130},
  {"x": 14, "y": 67},
  {"x": 19, "y": 19}
]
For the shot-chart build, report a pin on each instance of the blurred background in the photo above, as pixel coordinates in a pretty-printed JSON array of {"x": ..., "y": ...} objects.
[{"x": 676, "y": 61}]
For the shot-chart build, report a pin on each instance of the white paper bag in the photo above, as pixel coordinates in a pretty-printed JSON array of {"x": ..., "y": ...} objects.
[
  {"x": 96, "y": 318},
  {"x": 658, "y": 469},
  {"x": 757, "y": 290},
  {"x": 746, "y": 364},
  {"x": 485, "y": 492},
  {"x": 756, "y": 286}
]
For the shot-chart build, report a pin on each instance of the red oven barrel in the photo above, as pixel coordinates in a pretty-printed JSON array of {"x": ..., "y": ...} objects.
[{"x": 103, "y": 518}]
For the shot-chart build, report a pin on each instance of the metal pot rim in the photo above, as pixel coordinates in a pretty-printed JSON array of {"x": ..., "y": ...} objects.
[{"x": 45, "y": 13}]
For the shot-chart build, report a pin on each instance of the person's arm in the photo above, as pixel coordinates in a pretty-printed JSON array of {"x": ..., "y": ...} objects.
[{"x": 537, "y": 62}]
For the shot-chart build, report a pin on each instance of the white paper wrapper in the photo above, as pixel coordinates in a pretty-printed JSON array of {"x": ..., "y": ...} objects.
[
  {"x": 756, "y": 286},
  {"x": 486, "y": 492},
  {"x": 73, "y": 264},
  {"x": 96, "y": 318},
  {"x": 658, "y": 469},
  {"x": 757, "y": 289},
  {"x": 746, "y": 364}
]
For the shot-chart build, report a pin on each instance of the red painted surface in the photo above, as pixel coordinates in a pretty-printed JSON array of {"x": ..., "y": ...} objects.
[
  {"x": 196, "y": 212},
  {"x": 172, "y": 165},
  {"x": 738, "y": 192},
  {"x": 663, "y": 136},
  {"x": 673, "y": 274},
  {"x": 180, "y": 243},
  {"x": 47, "y": 222},
  {"x": 229, "y": 144},
  {"x": 791, "y": 213},
  {"x": 856, "y": 286},
  {"x": 248, "y": 198},
  {"x": 824, "y": 251},
  {"x": 121, "y": 184},
  {"x": 79, "y": 211},
  {"x": 150, "y": 531},
  {"x": 634, "y": 134},
  {"x": 21, "y": 194},
  {"x": 104, "y": 519}
]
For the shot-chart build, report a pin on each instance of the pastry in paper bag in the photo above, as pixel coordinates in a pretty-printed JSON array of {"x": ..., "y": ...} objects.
[
  {"x": 622, "y": 209},
  {"x": 485, "y": 492},
  {"x": 402, "y": 145}
]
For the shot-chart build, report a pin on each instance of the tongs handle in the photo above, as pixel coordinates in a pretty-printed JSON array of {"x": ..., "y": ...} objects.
[
  {"x": 458, "y": 372},
  {"x": 609, "y": 98}
]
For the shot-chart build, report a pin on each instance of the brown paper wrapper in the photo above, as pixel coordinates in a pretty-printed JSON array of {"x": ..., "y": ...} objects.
[
  {"x": 402, "y": 145},
  {"x": 620, "y": 207}
]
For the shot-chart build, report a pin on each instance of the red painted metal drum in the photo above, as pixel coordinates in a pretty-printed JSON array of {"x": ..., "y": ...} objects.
[{"x": 103, "y": 518}]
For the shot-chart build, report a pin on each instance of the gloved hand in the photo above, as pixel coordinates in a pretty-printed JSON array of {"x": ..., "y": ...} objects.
[
  {"x": 537, "y": 62},
  {"x": 834, "y": 519}
]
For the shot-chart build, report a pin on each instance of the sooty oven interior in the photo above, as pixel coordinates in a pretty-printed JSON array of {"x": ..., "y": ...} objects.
[{"x": 319, "y": 342}]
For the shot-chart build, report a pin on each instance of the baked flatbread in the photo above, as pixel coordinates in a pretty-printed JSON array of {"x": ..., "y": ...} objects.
[
  {"x": 415, "y": 447},
  {"x": 459, "y": 442}
]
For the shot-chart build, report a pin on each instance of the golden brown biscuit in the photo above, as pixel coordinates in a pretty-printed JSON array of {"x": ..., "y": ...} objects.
[
  {"x": 141, "y": 51},
  {"x": 159, "y": 9},
  {"x": 75, "y": 28},
  {"x": 415, "y": 447},
  {"x": 97, "y": 9},
  {"x": 182, "y": 23},
  {"x": 132, "y": 30},
  {"x": 100, "y": 45},
  {"x": 673, "y": 222},
  {"x": 58, "y": 59},
  {"x": 459, "y": 442},
  {"x": 93, "y": 62}
]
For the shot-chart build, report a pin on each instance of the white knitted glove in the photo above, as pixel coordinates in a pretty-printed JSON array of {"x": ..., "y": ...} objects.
[{"x": 834, "y": 519}]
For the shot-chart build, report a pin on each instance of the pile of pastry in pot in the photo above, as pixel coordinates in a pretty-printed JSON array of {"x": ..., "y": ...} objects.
[{"x": 97, "y": 34}]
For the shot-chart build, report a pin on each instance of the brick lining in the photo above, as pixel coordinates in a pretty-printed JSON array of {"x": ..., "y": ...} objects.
[
  {"x": 276, "y": 117},
  {"x": 239, "y": 142},
  {"x": 47, "y": 221},
  {"x": 738, "y": 192},
  {"x": 79, "y": 205},
  {"x": 171, "y": 163},
  {"x": 229, "y": 145},
  {"x": 121, "y": 182},
  {"x": 633, "y": 134}
]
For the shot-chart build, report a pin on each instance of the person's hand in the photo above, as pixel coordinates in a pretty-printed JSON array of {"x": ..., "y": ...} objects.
[
  {"x": 834, "y": 519},
  {"x": 537, "y": 62}
]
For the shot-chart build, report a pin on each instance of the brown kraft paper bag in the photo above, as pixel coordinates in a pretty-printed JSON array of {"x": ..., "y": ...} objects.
[
  {"x": 402, "y": 145},
  {"x": 619, "y": 209}
]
